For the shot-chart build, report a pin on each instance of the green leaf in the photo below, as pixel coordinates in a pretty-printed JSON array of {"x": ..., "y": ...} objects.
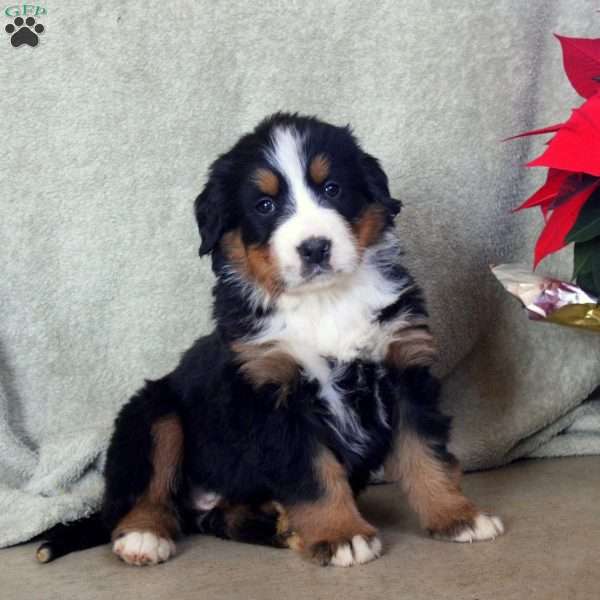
[
  {"x": 596, "y": 275},
  {"x": 586, "y": 282},
  {"x": 587, "y": 265},
  {"x": 587, "y": 225},
  {"x": 583, "y": 256}
]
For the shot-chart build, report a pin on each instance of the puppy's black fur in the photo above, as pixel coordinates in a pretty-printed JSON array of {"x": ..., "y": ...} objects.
[{"x": 258, "y": 441}]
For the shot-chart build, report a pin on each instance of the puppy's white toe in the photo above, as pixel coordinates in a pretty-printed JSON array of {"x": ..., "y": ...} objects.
[
  {"x": 143, "y": 548},
  {"x": 358, "y": 551}
]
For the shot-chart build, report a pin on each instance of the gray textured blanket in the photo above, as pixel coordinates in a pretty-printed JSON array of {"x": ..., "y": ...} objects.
[{"x": 108, "y": 126}]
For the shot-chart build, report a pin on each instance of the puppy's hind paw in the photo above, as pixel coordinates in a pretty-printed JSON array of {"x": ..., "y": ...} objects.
[{"x": 142, "y": 548}]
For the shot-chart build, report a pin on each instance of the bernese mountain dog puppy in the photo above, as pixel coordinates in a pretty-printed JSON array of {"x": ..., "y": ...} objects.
[{"x": 317, "y": 372}]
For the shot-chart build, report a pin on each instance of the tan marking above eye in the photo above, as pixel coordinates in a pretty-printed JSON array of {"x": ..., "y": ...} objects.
[
  {"x": 319, "y": 168},
  {"x": 266, "y": 181}
]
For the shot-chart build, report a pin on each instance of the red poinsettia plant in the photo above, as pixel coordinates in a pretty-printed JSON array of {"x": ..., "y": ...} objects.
[{"x": 570, "y": 197}]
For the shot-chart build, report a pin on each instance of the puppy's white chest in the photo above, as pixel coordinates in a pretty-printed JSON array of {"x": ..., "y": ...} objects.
[
  {"x": 331, "y": 326},
  {"x": 339, "y": 322}
]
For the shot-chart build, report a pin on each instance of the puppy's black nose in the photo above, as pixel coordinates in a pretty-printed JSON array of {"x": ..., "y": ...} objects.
[{"x": 315, "y": 251}]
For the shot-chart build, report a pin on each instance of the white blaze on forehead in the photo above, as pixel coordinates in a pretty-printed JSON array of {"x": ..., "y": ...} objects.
[
  {"x": 307, "y": 218},
  {"x": 287, "y": 156}
]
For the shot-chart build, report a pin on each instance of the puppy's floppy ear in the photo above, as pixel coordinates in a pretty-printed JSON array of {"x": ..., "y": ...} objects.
[
  {"x": 210, "y": 207},
  {"x": 377, "y": 185}
]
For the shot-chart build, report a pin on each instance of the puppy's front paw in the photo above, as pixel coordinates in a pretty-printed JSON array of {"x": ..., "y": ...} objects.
[
  {"x": 357, "y": 551},
  {"x": 143, "y": 548},
  {"x": 483, "y": 527}
]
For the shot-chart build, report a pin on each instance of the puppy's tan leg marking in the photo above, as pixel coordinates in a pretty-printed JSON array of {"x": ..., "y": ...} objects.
[
  {"x": 433, "y": 491},
  {"x": 331, "y": 529},
  {"x": 412, "y": 346},
  {"x": 144, "y": 536},
  {"x": 266, "y": 363}
]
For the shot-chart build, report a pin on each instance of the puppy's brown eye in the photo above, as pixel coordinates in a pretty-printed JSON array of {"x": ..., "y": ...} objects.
[
  {"x": 265, "y": 206},
  {"x": 332, "y": 189}
]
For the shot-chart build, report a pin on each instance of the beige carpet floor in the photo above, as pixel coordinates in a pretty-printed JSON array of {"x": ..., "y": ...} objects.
[{"x": 551, "y": 551}]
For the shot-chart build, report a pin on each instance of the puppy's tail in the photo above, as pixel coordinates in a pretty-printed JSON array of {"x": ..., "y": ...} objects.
[{"x": 78, "y": 535}]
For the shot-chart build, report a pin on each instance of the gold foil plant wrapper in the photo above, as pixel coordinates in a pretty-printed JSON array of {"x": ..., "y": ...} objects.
[{"x": 548, "y": 299}]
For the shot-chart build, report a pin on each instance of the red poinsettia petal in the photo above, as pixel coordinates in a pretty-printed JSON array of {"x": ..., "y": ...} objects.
[
  {"x": 581, "y": 59},
  {"x": 549, "y": 129},
  {"x": 546, "y": 212},
  {"x": 576, "y": 146},
  {"x": 548, "y": 191},
  {"x": 573, "y": 184},
  {"x": 559, "y": 224}
]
